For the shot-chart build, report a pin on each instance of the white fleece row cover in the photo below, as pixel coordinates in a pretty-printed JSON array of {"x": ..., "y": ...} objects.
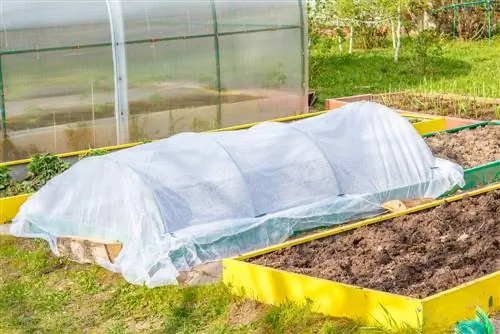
[{"x": 198, "y": 197}]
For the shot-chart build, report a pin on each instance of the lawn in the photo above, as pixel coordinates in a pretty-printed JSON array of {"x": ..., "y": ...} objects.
[
  {"x": 41, "y": 293},
  {"x": 465, "y": 68}
]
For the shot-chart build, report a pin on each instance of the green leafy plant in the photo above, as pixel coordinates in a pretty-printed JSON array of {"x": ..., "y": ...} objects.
[
  {"x": 9, "y": 186},
  {"x": 44, "y": 167},
  {"x": 5, "y": 178}
]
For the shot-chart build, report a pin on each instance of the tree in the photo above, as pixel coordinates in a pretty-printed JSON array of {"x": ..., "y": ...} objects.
[
  {"x": 352, "y": 13},
  {"x": 391, "y": 9}
]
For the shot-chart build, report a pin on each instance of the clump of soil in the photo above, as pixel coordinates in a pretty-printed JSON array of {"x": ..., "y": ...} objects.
[
  {"x": 463, "y": 107},
  {"x": 414, "y": 255},
  {"x": 468, "y": 148}
]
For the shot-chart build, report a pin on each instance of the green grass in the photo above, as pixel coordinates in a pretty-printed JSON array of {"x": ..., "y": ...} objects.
[
  {"x": 466, "y": 68},
  {"x": 42, "y": 293}
]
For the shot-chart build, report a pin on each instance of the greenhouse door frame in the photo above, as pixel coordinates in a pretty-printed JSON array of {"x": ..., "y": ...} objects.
[{"x": 120, "y": 70}]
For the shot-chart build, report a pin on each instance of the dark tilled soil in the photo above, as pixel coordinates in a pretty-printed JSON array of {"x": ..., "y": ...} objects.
[
  {"x": 469, "y": 148},
  {"x": 415, "y": 255}
]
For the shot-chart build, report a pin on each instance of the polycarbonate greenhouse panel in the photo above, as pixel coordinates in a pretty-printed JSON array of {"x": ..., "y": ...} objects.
[
  {"x": 80, "y": 74},
  {"x": 275, "y": 85},
  {"x": 59, "y": 101},
  {"x": 157, "y": 19},
  {"x": 36, "y": 24},
  {"x": 238, "y": 15},
  {"x": 171, "y": 87}
]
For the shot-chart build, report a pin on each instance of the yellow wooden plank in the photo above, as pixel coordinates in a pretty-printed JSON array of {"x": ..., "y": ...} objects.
[
  {"x": 419, "y": 115},
  {"x": 430, "y": 126},
  {"x": 9, "y": 206},
  {"x": 275, "y": 287},
  {"x": 365, "y": 222},
  {"x": 443, "y": 310}
]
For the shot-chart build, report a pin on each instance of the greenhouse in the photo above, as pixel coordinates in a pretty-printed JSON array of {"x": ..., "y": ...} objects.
[{"x": 77, "y": 74}]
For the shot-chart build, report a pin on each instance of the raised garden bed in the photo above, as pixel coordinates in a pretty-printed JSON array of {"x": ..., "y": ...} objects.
[
  {"x": 458, "y": 110},
  {"x": 442, "y": 105},
  {"x": 425, "y": 268},
  {"x": 469, "y": 147},
  {"x": 414, "y": 255}
]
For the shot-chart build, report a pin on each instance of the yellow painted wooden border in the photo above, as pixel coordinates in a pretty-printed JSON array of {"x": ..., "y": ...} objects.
[
  {"x": 460, "y": 303},
  {"x": 9, "y": 206},
  {"x": 275, "y": 287},
  {"x": 430, "y": 124},
  {"x": 440, "y": 311}
]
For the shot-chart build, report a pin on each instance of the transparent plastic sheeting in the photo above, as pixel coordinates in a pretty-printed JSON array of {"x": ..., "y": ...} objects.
[{"x": 198, "y": 197}]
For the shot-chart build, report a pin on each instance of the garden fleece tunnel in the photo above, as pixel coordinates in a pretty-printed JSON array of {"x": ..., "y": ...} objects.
[{"x": 198, "y": 197}]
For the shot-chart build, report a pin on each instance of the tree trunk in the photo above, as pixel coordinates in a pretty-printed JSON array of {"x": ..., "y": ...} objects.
[
  {"x": 398, "y": 37},
  {"x": 351, "y": 31},
  {"x": 393, "y": 35},
  {"x": 339, "y": 38}
]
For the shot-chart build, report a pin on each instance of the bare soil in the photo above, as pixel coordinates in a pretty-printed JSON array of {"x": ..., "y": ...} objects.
[
  {"x": 469, "y": 148},
  {"x": 83, "y": 112},
  {"x": 463, "y": 107},
  {"x": 415, "y": 255}
]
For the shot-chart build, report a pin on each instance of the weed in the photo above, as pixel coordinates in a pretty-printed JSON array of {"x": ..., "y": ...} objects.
[
  {"x": 118, "y": 327},
  {"x": 5, "y": 178},
  {"x": 93, "y": 153}
]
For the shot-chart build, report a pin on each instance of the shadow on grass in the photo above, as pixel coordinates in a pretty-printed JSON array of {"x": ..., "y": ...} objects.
[{"x": 375, "y": 72}]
